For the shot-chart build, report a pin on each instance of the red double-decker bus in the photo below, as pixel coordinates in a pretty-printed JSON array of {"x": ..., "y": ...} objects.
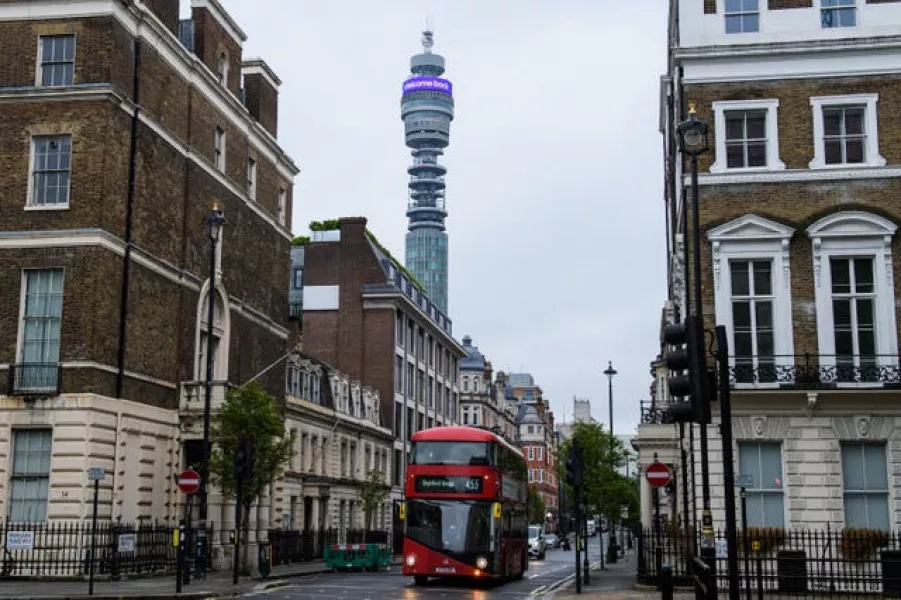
[{"x": 465, "y": 506}]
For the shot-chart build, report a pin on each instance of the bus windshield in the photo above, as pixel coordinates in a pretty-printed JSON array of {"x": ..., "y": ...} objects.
[
  {"x": 451, "y": 453},
  {"x": 457, "y": 526}
]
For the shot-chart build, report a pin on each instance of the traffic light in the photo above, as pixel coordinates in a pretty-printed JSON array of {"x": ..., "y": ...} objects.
[
  {"x": 244, "y": 460},
  {"x": 574, "y": 466},
  {"x": 686, "y": 361}
]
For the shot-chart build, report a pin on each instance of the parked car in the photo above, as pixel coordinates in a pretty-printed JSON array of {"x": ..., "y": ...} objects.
[
  {"x": 537, "y": 545},
  {"x": 551, "y": 540}
]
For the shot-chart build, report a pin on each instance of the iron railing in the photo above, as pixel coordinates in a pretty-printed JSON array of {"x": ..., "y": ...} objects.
[
  {"x": 653, "y": 413},
  {"x": 815, "y": 371},
  {"x": 63, "y": 549},
  {"x": 847, "y": 563},
  {"x": 34, "y": 379}
]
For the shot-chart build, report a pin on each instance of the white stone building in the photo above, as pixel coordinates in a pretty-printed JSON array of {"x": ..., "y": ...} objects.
[
  {"x": 483, "y": 402},
  {"x": 798, "y": 210},
  {"x": 338, "y": 440}
]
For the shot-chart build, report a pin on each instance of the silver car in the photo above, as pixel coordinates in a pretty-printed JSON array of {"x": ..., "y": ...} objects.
[{"x": 537, "y": 545}]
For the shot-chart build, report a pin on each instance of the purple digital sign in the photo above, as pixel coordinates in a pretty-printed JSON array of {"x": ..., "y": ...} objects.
[{"x": 425, "y": 82}]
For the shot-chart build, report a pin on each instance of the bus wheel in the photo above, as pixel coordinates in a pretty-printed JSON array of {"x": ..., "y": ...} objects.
[{"x": 420, "y": 579}]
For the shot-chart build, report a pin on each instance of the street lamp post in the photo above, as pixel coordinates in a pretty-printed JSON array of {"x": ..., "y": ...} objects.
[
  {"x": 693, "y": 140},
  {"x": 610, "y": 372},
  {"x": 214, "y": 222}
]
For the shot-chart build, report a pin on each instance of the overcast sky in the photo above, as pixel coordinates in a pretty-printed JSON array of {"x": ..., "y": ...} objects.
[{"x": 554, "y": 184}]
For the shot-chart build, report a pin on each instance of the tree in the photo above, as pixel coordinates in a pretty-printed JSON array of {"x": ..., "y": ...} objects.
[
  {"x": 605, "y": 490},
  {"x": 535, "y": 505},
  {"x": 251, "y": 413},
  {"x": 372, "y": 493}
]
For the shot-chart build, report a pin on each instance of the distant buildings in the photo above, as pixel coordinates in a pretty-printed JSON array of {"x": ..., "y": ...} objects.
[{"x": 483, "y": 402}]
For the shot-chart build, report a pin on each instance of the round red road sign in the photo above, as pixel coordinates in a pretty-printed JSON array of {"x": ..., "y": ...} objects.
[
  {"x": 189, "y": 481},
  {"x": 658, "y": 474}
]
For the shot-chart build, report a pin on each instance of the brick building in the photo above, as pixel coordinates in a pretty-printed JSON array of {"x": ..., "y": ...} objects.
[
  {"x": 537, "y": 437},
  {"x": 799, "y": 213},
  {"x": 364, "y": 314},
  {"x": 118, "y": 137}
]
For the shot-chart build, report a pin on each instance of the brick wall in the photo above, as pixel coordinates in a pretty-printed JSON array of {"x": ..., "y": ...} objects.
[
  {"x": 172, "y": 196},
  {"x": 799, "y": 204}
]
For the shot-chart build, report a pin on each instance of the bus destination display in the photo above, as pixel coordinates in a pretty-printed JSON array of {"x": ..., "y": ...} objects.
[{"x": 449, "y": 484}]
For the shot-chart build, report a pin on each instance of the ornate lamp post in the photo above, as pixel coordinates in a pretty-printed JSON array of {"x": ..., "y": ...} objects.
[
  {"x": 693, "y": 141},
  {"x": 610, "y": 372}
]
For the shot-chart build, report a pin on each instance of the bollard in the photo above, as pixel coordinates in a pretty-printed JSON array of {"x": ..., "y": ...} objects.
[{"x": 666, "y": 583}]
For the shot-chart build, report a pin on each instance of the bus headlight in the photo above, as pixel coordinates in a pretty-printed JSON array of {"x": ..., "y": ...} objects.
[
  {"x": 411, "y": 560},
  {"x": 482, "y": 562}
]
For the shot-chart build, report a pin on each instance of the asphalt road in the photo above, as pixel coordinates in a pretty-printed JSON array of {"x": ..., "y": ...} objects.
[{"x": 392, "y": 585}]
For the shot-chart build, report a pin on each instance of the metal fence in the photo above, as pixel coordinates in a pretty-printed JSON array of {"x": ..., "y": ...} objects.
[
  {"x": 63, "y": 549},
  {"x": 774, "y": 562}
]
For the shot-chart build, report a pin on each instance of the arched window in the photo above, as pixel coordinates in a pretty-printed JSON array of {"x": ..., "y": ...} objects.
[{"x": 217, "y": 343}]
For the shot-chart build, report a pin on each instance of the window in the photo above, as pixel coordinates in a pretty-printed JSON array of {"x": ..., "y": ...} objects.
[
  {"x": 854, "y": 291},
  {"x": 752, "y": 319},
  {"x": 530, "y": 455},
  {"x": 845, "y": 131},
  {"x": 745, "y": 139},
  {"x": 218, "y": 333},
  {"x": 465, "y": 384},
  {"x": 223, "y": 69},
  {"x": 282, "y": 205},
  {"x": 762, "y": 462},
  {"x": 42, "y": 311},
  {"x": 540, "y": 451},
  {"x": 30, "y": 479},
  {"x": 252, "y": 178},
  {"x": 747, "y": 135},
  {"x": 219, "y": 149},
  {"x": 398, "y": 374},
  {"x": 531, "y": 475},
  {"x": 865, "y": 485},
  {"x": 742, "y": 16},
  {"x": 399, "y": 328},
  {"x": 838, "y": 13},
  {"x": 56, "y": 59},
  {"x": 51, "y": 164},
  {"x": 853, "y": 315},
  {"x": 752, "y": 296}
]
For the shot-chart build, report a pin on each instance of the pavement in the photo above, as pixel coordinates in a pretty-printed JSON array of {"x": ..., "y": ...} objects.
[
  {"x": 615, "y": 582},
  {"x": 216, "y": 585}
]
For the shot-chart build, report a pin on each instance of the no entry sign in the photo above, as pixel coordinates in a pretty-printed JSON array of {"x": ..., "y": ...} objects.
[
  {"x": 658, "y": 474},
  {"x": 189, "y": 481}
]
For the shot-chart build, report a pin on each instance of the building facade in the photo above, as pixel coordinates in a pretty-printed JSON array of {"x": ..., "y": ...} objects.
[
  {"x": 427, "y": 109},
  {"x": 364, "y": 314},
  {"x": 538, "y": 441},
  {"x": 799, "y": 249},
  {"x": 340, "y": 444},
  {"x": 118, "y": 138},
  {"x": 480, "y": 403}
]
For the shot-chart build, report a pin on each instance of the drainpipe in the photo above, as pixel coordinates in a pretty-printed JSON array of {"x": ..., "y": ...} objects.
[{"x": 129, "y": 214}]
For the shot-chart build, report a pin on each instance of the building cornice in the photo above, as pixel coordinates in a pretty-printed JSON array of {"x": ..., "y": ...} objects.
[
  {"x": 796, "y": 176},
  {"x": 870, "y": 44}
]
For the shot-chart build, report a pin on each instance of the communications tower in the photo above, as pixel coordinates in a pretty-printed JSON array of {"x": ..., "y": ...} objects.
[{"x": 427, "y": 108}]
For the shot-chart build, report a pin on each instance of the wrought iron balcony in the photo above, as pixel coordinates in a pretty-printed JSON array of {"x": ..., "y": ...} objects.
[
  {"x": 813, "y": 371},
  {"x": 34, "y": 379},
  {"x": 653, "y": 413}
]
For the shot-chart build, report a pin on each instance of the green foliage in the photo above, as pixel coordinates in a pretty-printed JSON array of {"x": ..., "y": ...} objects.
[
  {"x": 606, "y": 490},
  {"x": 327, "y": 225},
  {"x": 300, "y": 240},
  {"x": 373, "y": 492},
  {"x": 535, "y": 505},
  {"x": 252, "y": 413}
]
